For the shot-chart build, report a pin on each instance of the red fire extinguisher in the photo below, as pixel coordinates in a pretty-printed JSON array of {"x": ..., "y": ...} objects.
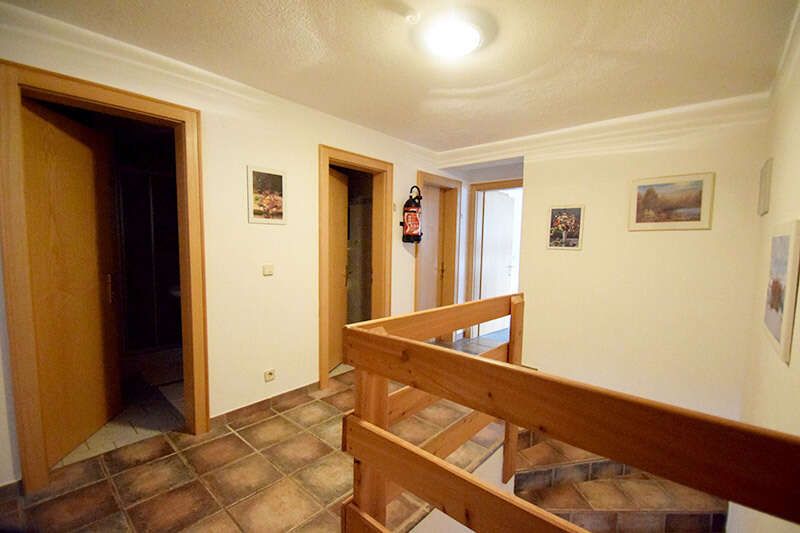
[{"x": 412, "y": 210}]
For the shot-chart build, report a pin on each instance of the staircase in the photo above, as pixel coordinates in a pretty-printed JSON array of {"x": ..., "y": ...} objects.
[{"x": 605, "y": 496}]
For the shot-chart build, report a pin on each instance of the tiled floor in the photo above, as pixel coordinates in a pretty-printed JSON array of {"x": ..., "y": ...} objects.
[{"x": 276, "y": 466}]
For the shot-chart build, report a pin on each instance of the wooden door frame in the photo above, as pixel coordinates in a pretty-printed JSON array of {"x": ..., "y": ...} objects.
[
  {"x": 451, "y": 237},
  {"x": 18, "y": 81},
  {"x": 381, "y": 288},
  {"x": 474, "y": 188}
]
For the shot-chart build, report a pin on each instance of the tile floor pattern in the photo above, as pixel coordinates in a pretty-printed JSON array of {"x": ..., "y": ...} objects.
[{"x": 274, "y": 467}]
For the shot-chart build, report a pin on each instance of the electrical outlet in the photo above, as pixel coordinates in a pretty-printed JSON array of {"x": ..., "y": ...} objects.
[{"x": 269, "y": 375}]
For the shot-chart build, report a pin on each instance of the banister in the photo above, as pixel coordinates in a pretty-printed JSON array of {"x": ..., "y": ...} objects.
[{"x": 753, "y": 466}]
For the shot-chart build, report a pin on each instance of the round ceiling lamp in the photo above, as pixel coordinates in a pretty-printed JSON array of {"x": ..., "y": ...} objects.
[{"x": 450, "y": 36}]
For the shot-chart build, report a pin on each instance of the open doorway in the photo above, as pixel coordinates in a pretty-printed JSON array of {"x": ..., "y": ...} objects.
[
  {"x": 355, "y": 247},
  {"x": 495, "y": 234},
  {"x": 102, "y": 253}
]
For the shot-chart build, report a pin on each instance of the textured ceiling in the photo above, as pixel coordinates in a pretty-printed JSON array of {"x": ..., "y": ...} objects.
[{"x": 551, "y": 63}]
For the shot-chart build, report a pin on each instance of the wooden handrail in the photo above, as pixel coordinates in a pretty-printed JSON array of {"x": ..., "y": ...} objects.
[{"x": 746, "y": 464}]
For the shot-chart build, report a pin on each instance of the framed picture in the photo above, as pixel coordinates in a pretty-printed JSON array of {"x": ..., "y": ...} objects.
[
  {"x": 266, "y": 196},
  {"x": 672, "y": 202},
  {"x": 566, "y": 228},
  {"x": 764, "y": 187},
  {"x": 781, "y": 290}
]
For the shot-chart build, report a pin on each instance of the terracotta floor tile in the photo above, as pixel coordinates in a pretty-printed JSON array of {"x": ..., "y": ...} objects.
[
  {"x": 330, "y": 431},
  {"x": 290, "y": 400},
  {"x": 242, "y": 478},
  {"x": 603, "y": 494},
  {"x": 646, "y": 494},
  {"x": 348, "y": 378},
  {"x": 65, "y": 479},
  {"x": 343, "y": 401},
  {"x": 311, "y": 414},
  {"x": 441, "y": 414},
  {"x": 686, "y": 523},
  {"x": 216, "y": 453},
  {"x": 137, "y": 453},
  {"x": 561, "y": 497},
  {"x": 250, "y": 414},
  {"x": 491, "y": 435},
  {"x": 467, "y": 456},
  {"x": 150, "y": 479},
  {"x": 218, "y": 523},
  {"x": 328, "y": 479},
  {"x": 115, "y": 523},
  {"x": 186, "y": 440},
  {"x": 334, "y": 386},
  {"x": 277, "y": 508},
  {"x": 269, "y": 432},
  {"x": 533, "y": 480},
  {"x": 414, "y": 430},
  {"x": 324, "y": 522},
  {"x": 401, "y": 511},
  {"x": 688, "y": 499},
  {"x": 571, "y": 452},
  {"x": 640, "y": 523},
  {"x": 596, "y": 522},
  {"x": 75, "y": 509},
  {"x": 542, "y": 454},
  {"x": 296, "y": 452},
  {"x": 13, "y": 521},
  {"x": 173, "y": 510}
]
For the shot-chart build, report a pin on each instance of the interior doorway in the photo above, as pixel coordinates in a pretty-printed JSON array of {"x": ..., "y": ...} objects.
[
  {"x": 495, "y": 234},
  {"x": 102, "y": 253},
  {"x": 436, "y": 257},
  {"x": 355, "y": 247}
]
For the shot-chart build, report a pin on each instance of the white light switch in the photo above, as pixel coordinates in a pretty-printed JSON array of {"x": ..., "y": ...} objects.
[{"x": 267, "y": 270}]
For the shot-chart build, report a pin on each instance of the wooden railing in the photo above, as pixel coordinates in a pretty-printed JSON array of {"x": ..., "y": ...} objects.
[{"x": 755, "y": 467}]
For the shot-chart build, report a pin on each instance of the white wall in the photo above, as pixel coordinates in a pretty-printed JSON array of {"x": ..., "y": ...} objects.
[
  {"x": 665, "y": 314},
  {"x": 772, "y": 389},
  {"x": 254, "y": 323}
]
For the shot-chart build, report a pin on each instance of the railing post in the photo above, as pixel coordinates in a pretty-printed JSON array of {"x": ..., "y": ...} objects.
[
  {"x": 514, "y": 358},
  {"x": 371, "y": 405}
]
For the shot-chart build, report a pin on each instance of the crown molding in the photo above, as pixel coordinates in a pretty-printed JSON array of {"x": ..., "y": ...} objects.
[
  {"x": 40, "y": 41},
  {"x": 646, "y": 131}
]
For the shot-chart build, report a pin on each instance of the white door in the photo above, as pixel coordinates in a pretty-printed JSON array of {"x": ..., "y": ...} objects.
[{"x": 498, "y": 274}]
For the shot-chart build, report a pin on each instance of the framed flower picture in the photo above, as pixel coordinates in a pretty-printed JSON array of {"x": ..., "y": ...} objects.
[
  {"x": 266, "y": 196},
  {"x": 781, "y": 289},
  {"x": 566, "y": 228}
]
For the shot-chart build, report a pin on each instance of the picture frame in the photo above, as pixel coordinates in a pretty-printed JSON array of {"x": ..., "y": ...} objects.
[
  {"x": 565, "y": 227},
  {"x": 679, "y": 202},
  {"x": 266, "y": 196},
  {"x": 781, "y": 288},
  {"x": 765, "y": 187}
]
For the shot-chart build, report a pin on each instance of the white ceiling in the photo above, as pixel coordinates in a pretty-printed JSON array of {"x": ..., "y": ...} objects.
[{"x": 552, "y": 63}]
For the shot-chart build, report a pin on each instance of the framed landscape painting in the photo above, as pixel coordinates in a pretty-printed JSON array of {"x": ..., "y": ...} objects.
[
  {"x": 781, "y": 290},
  {"x": 266, "y": 196},
  {"x": 672, "y": 202},
  {"x": 566, "y": 228}
]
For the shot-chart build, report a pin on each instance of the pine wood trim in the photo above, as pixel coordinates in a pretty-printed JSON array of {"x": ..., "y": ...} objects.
[
  {"x": 474, "y": 503},
  {"x": 750, "y": 465},
  {"x": 19, "y": 80},
  {"x": 354, "y": 520},
  {"x": 510, "y": 440},
  {"x": 382, "y": 173}
]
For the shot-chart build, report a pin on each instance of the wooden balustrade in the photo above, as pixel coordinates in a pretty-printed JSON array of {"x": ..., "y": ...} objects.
[{"x": 753, "y": 466}]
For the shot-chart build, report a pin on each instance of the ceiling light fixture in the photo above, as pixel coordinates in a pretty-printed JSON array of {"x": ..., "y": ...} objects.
[{"x": 451, "y": 36}]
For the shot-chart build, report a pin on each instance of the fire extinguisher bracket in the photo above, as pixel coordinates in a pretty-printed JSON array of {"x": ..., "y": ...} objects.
[{"x": 412, "y": 211}]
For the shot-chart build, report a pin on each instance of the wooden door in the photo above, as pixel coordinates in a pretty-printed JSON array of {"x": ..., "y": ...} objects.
[
  {"x": 497, "y": 256},
  {"x": 429, "y": 250},
  {"x": 338, "y": 264},
  {"x": 68, "y": 204}
]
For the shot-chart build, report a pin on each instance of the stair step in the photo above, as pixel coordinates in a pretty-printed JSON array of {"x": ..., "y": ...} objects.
[{"x": 653, "y": 503}]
